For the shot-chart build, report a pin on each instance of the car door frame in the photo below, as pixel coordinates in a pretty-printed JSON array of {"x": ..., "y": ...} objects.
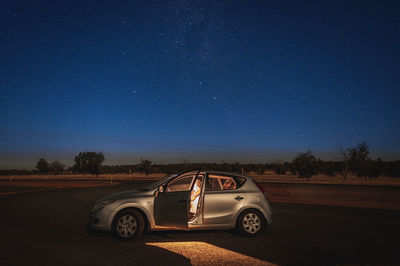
[{"x": 198, "y": 219}]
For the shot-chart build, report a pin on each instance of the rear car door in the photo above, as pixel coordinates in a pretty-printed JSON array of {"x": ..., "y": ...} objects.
[{"x": 222, "y": 198}]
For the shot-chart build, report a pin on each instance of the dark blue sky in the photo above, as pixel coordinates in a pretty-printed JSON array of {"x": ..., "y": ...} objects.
[{"x": 197, "y": 80}]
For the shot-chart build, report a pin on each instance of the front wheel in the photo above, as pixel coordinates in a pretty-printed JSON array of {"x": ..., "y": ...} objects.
[
  {"x": 250, "y": 222},
  {"x": 127, "y": 225}
]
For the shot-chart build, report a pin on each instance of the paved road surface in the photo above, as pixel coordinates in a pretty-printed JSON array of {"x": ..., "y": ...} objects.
[{"x": 49, "y": 228}]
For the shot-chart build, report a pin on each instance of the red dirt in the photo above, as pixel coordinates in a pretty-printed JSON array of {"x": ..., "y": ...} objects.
[
  {"x": 269, "y": 177},
  {"x": 32, "y": 186},
  {"x": 363, "y": 196},
  {"x": 59, "y": 184},
  {"x": 382, "y": 197}
]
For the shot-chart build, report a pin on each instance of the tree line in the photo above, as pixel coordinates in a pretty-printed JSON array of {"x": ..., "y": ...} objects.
[
  {"x": 85, "y": 163},
  {"x": 354, "y": 161}
]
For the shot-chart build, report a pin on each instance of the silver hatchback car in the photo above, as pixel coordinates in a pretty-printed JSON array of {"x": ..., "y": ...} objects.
[{"x": 191, "y": 200}]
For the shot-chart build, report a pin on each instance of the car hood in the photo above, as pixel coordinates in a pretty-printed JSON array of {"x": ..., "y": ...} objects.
[{"x": 127, "y": 194}]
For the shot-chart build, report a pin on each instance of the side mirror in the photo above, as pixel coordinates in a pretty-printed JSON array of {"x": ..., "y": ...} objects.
[{"x": 161, "y": 189}]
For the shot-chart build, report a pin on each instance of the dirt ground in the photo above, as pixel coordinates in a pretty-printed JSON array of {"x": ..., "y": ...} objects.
[
  {"x": 49, "y": 228},
  {"x": 13, "y": 187},
  {"x": 269, "y": 177},
  {"x": 381, "y": 197},
  {"x": 363, "y": 196},
  {"x": 108, "y": 177}
]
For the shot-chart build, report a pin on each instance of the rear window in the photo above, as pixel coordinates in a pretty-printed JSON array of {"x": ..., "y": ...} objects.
[{"x": 216, "y": 182}]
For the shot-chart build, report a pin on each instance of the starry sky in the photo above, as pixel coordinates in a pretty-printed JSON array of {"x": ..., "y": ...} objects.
[{"x": 202, "y": 81}]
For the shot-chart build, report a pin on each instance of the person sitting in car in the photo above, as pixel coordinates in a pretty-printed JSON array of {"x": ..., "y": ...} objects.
[
  {"x": 194, "y": 198},
  {"x": 229, "y": 184}
]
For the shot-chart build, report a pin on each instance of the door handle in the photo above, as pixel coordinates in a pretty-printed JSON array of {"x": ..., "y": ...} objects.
[
  {"x": 182, "y": 201},
  {"x": 239, "y": 198}
]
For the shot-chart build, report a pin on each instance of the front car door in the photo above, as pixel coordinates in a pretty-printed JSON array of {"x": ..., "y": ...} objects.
[
  {"x": 171, "y": 206},
  {"x": 222, "y": 198}
]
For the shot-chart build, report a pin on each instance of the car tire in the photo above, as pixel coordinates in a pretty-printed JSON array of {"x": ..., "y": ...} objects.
[
  {"x": 127, "y": 225},
  {"x": 250, "y": 223}
]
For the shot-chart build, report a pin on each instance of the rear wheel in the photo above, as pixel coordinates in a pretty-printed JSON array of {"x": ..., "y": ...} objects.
[
  {"x": 127, "y": 225},
  {"x": 250, "y": 222}
]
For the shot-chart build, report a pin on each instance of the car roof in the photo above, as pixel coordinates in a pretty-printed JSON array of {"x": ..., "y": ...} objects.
[
  {"x": 214, "y": 172},
  {"x": 225, "y": 173}
]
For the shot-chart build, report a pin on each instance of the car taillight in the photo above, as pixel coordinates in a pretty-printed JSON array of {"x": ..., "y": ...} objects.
[{"x": 261, "y": 188}]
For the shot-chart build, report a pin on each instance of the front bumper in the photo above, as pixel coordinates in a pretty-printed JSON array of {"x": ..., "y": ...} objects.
[{"x": 98, "y": 220}]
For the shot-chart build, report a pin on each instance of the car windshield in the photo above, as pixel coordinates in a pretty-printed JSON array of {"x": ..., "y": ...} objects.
[{"x": 159, "y": 182}]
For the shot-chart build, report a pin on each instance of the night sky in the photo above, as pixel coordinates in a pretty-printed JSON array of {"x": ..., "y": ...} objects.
[{"x": 202, "y": 81}]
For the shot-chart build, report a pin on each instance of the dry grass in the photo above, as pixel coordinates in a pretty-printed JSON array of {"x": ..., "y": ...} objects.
[
  {"x": 14, "y": 187},
  {"x": 104, "y": 177},
  {"x": 272, "y": 177},
  {"x": 378, "y": 193},
  {"x": 381, "y": 197},
  {"x": 268, "y": 177},
  {"x": 58, "y": 184}
]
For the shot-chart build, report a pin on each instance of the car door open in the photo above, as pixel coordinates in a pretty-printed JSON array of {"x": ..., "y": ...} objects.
[
  {"x": 171, "y": 209},
  {"x": 171, "y": 206}
]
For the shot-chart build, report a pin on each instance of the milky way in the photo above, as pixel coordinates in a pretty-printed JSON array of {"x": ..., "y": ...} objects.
[{"x": 197, "y": 80}]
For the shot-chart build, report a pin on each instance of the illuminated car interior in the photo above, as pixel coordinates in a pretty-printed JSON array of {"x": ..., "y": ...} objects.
[{"x": 220, "y": 182}]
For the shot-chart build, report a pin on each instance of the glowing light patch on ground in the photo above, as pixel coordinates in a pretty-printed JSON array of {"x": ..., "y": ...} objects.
[{"x": 201, "y": 253}]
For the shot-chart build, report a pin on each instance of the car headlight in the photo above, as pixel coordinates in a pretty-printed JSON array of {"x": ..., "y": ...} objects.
[{"x": 100, "y": 205}]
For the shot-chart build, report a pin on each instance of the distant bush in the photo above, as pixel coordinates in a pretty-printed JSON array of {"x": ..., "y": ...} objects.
[
  {"x": 88, "y": 162},
  {"x": 145, "y": 167},
  {"x": 43, "y": 166},
  {"x": 355, "y": 161},
  {"x": 304, "y": 165},
  {"x": 56, "y": 167}
]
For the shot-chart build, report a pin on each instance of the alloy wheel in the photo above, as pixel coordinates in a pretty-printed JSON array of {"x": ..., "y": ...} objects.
[
  {"x": 126, "y": 226},
  {"x": 251, "y": 223}
]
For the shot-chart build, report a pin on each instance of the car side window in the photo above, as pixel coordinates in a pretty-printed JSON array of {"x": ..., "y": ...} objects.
[
  {"x": 212, "y": 184},
  {"x": 220, "y": 182},
  {"x": 180, "y": 184}
]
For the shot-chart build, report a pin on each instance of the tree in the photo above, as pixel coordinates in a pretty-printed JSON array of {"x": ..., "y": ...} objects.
[
  {"x": 304, "y": 165},
  {"x": 359, "y": 161},
  {"x": 361, "y": 164},
  {"x": 280, "y": 167},
  {"x": 236, "y": 168},
  {"x": 57, "y": 167},
  {"x": 145, "y": 166},
  {"x": 360, "y": 152},
  {"x": 329, "y": 168},
  {"x": 43, "y": 166},
  {"x": 89, "y": 162}
]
